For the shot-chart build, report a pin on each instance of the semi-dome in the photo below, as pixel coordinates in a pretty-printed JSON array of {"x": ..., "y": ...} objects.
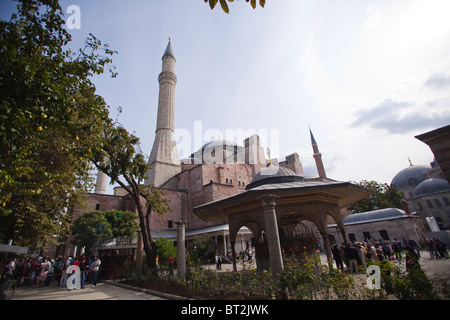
[
  {"x": 274, "y": 174},
  {"x": 410, "y": 177},
  {"x": 382, "y": 214},
  {"x": 431, "y": 186}
]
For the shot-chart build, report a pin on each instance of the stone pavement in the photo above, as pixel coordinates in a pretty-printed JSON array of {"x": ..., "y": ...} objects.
[
  {"x": 438, "y": 272},
  {"x": 103, "y": 291}
]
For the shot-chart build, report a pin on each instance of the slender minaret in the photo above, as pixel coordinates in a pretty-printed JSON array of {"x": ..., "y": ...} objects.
[
  {"x": 317, "y": 156},
  {"x": 100, "y": 185},
  {"x": 164, "y": 159}
]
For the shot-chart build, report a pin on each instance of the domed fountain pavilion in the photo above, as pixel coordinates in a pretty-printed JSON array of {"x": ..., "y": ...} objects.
[{"x": 275, "y": 205}]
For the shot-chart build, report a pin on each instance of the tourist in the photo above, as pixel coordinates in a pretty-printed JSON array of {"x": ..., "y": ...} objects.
[
  {"x": 33, "y": 272},
  {"x": 441, "y": 248},
  {"x": 387, "y": 249},
  {"x": 352, "y": 256},
  {"x": 250, "y": 255},
  {"x": 337, "y": 257},
  {"x": 373, "y": 253},
  {"x": 61, "y": 268},
  {"x": 218, "y": 260},
  {"x": 27, "y": 271},
  {"x": 42, "y": 274},
  {"x": 412, "y": 259},
  {"x": 95, "y": 268},
  {"x": 84, "y": 266},
  {"x": 18, "y": 270},
  {"x": 9, "y": 270},
  {"x": 397, "y": 249},
  {"x": 63, "y": 281},
  {"x": 361, "y": 254},
  {"x": 414, "y": 246},
  {"x": 430, "y": 248}
]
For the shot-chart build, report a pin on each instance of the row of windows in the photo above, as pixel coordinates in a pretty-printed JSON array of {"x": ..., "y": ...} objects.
[
  {"x": 231, "y": 182},
  {"x": 437, "y": 203},
  {"x": 367, "y": 236}
]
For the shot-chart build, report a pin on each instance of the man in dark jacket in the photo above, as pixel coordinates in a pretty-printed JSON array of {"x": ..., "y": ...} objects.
[{"x": 337, "y": 257}]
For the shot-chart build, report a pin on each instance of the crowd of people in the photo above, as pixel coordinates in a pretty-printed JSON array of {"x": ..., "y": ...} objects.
[
  {"x": 356, "y": 254},
  {"x": 41, "y": 271}
]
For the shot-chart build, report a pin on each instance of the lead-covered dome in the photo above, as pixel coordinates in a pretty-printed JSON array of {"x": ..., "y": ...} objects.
[
  {"x": 274, "y": 174},
  {"x": 370, "y": 216},
  {"x": 410, "y": 177},
  {"x": 431, "y": 186}
]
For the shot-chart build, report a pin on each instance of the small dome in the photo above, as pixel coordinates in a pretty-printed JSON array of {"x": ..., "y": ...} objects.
[
  {"x": 274, "y": 174},
  {"x": 410, "y": 177},
  {"x": 382, "y": 214},
  {"x": 431, "y": 186}
]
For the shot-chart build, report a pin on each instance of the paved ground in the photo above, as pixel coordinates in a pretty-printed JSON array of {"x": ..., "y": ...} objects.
[
  {"x": 437, "y": 271},
  {"x": 103, "y": 291}
]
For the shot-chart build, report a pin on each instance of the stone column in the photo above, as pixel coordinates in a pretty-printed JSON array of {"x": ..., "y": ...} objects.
[
  {"x": 181, "y": 250},
  {"x": 273, "y": 238},
  {"x": 326, "y": 244},
  {"x": 233, "y": 256}
]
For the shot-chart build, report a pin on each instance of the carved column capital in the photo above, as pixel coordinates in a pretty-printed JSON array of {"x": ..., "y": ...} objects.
[{"x": 268, "y": 200}]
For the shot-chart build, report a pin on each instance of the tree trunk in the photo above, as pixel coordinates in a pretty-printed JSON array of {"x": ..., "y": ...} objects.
[{"x": 147, "y": 240}]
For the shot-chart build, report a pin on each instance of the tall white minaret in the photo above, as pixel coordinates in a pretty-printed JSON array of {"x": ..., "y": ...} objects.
[{"x": 164, "y": 159}]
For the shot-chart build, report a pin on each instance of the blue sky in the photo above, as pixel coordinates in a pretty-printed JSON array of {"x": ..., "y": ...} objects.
[{"x": 367, "y": 76}]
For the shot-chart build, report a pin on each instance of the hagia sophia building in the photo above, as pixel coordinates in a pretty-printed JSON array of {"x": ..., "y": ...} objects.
[{"x": 221, "y": 169}]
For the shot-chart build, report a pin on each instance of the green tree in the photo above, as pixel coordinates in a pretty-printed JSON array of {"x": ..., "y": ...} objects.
[
  {"x": 123, "y": 223},
  {"x": 50, "y": 117},
  {"x": 224, "y": 5},
  {"x": 385, "y": 196},
  {"x": 90, "y": 227},
  {"x": 117, "y": 156},
  {"x": 100, "y": 225},
  {"x": 203, "y": 247}
]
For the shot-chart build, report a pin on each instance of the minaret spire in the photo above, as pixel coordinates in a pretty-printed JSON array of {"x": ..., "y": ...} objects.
[
  {"x": 317, "y": 156},
  {"x": 164, "y": 159}
]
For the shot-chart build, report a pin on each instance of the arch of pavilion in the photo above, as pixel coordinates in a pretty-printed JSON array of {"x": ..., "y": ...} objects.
[{"x": 275, "y": 204}]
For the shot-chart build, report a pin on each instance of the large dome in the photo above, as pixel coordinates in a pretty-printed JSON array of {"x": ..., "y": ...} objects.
[
  {"x": 410, "y": 177},
  {"x": 431, "y": 186},
  {"x": 210, "y": 149},
  {"x": 225, "y": 144},
  {"x": 274, "y": 174}
]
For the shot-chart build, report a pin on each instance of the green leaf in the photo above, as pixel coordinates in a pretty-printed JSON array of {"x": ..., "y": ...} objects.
[
  {"x": 253, "y": 3},
  {"x": 262, "y": 3},
  {"x": 212, "y": 3},
  {"x": 224, "y": 5}
]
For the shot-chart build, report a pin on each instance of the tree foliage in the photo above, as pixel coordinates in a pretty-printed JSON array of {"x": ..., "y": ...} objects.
[
  {"x": 224, "y": 5},
  {"x": 385, "y": 196},
  {"x": 203, "y": 248},
  {"x": 123, "y": 223},
  {"x": 98, "y": 225},
  {"x": 90, "y": 227},
  {"x": 50, "y": 117},
  {"x": 117, "y": 155}
]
